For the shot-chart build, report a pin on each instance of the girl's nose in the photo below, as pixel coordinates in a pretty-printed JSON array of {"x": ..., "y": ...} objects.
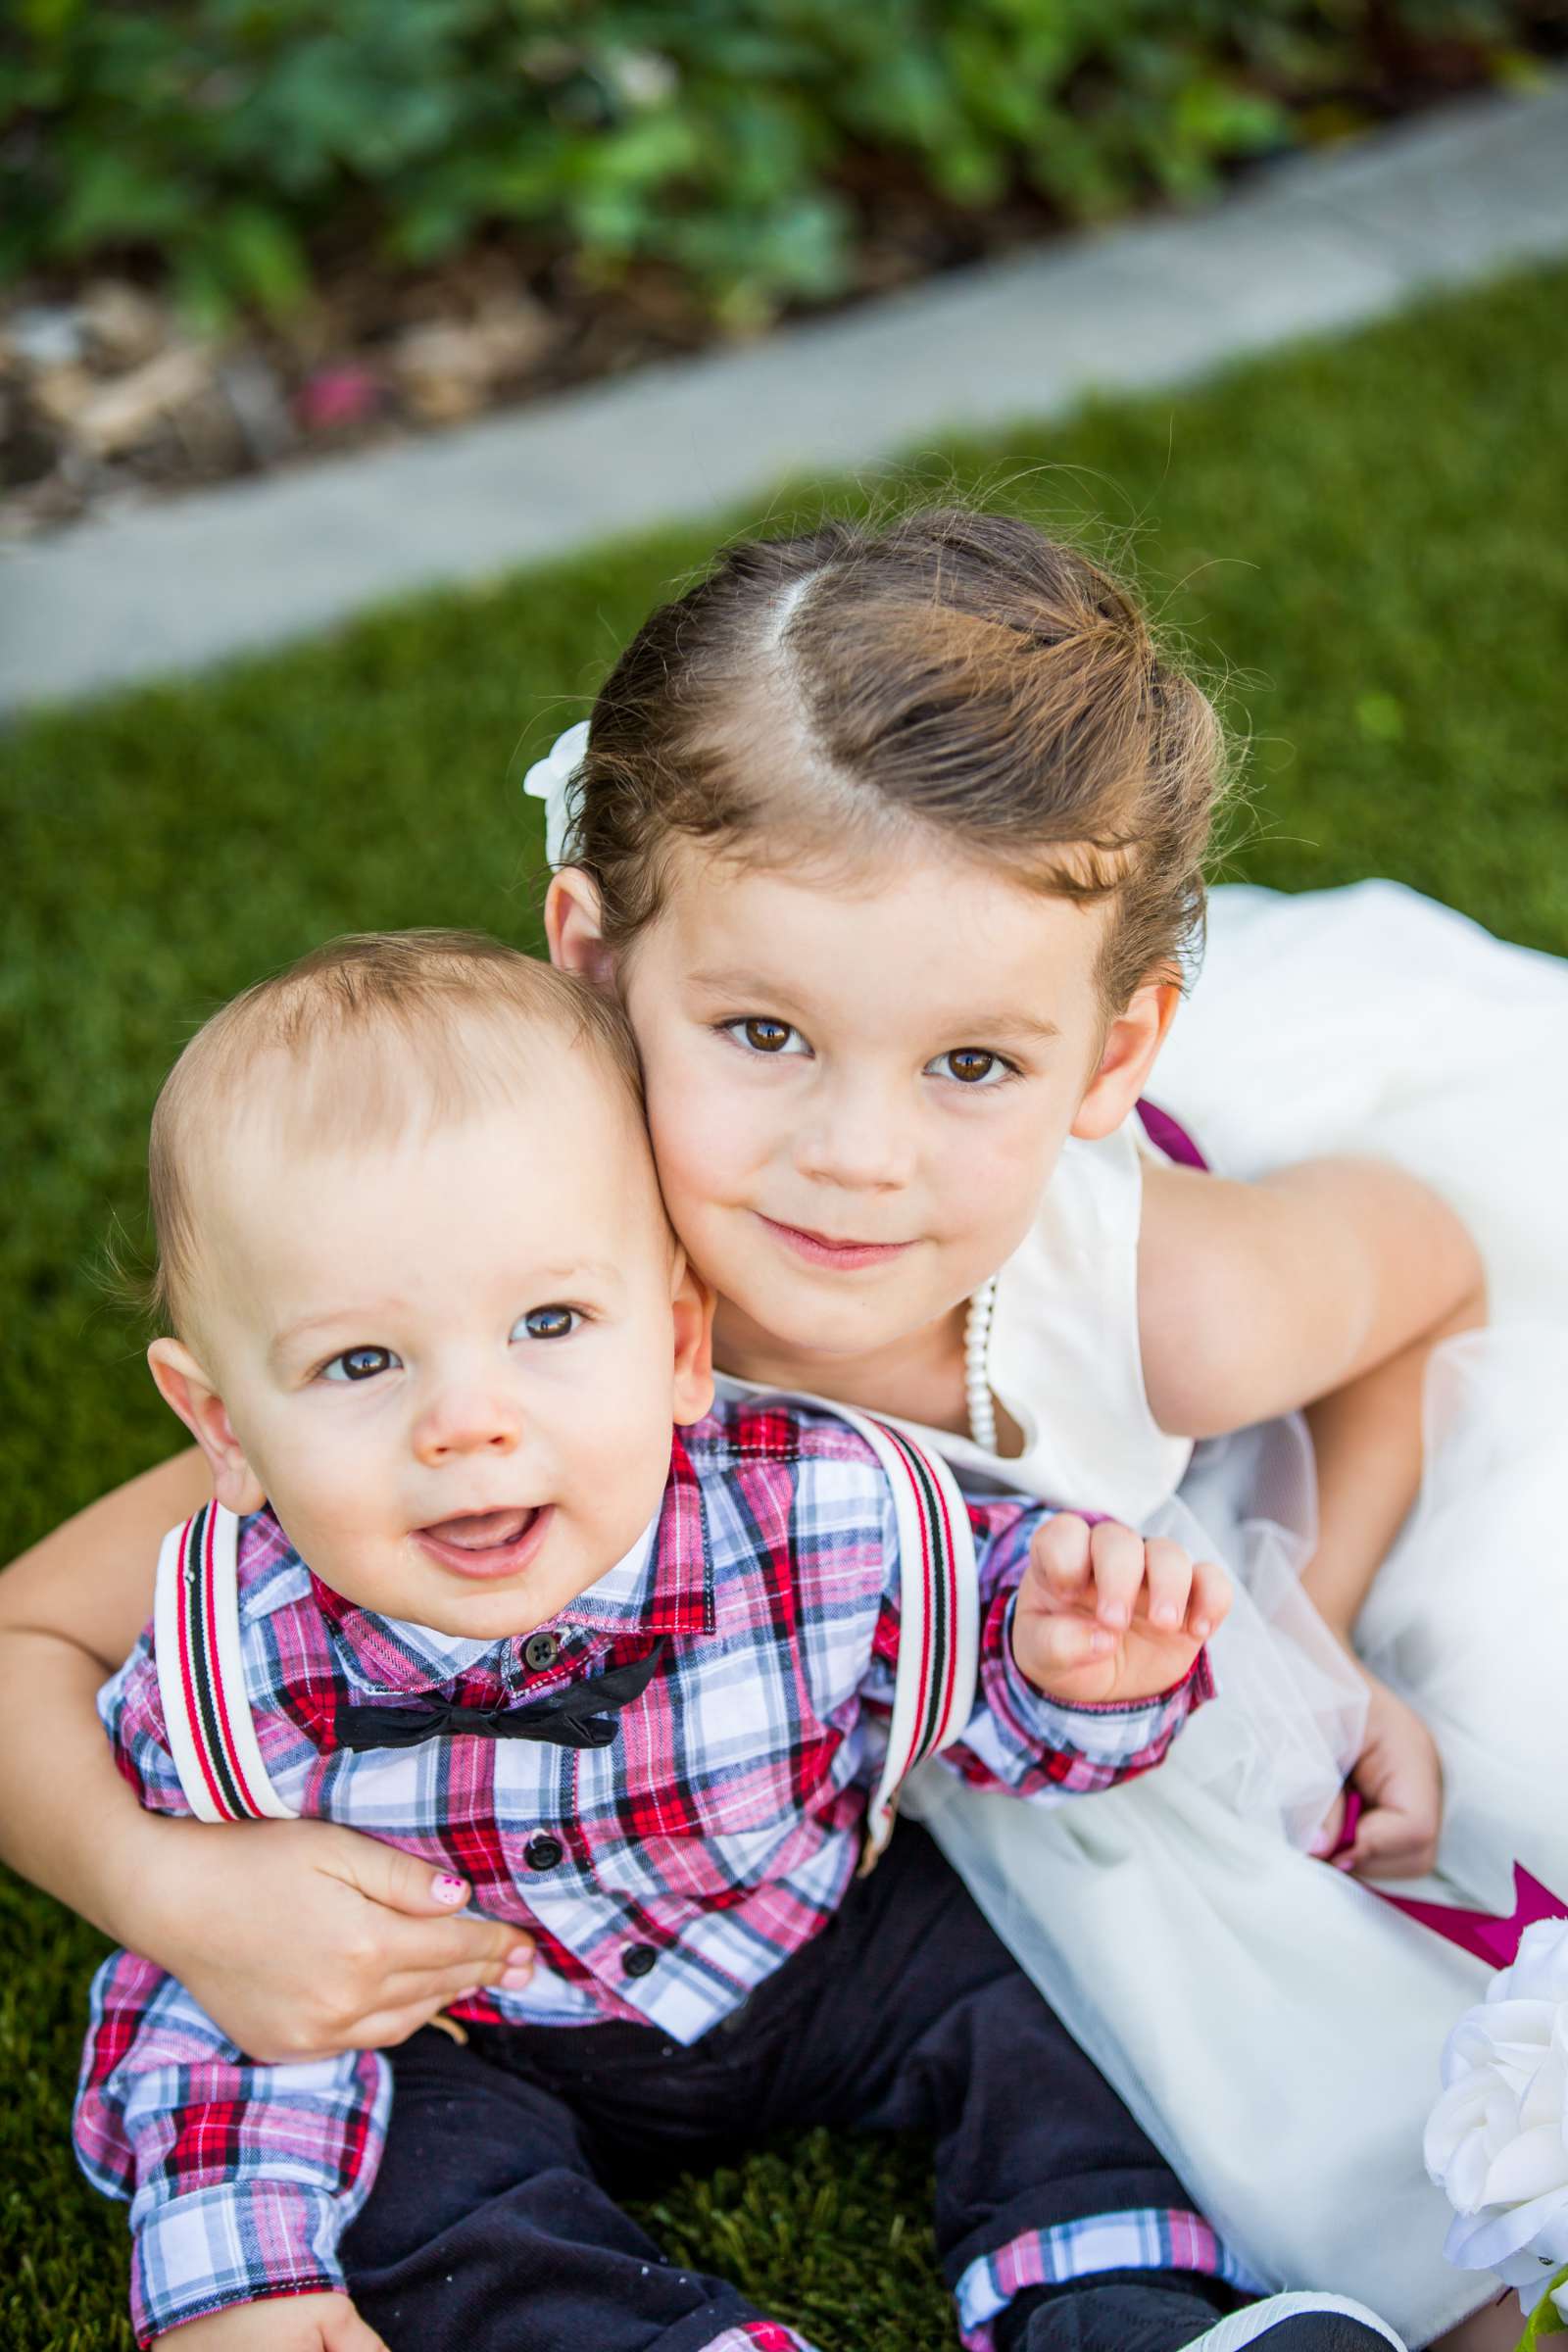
[
  {"x": 861, "y": 1140},
  {"x": 468, "y": 1421}
]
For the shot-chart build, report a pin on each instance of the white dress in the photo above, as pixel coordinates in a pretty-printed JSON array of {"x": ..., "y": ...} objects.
[{"x": 1275, "y": 2027}]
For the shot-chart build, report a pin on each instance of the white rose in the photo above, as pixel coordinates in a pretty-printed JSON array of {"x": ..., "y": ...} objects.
[
  {"x": 1497, "y": 2138},
  {"x": 549, "y": 780}
]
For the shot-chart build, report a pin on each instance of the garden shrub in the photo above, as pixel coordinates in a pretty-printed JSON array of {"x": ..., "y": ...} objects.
[{"x": 241, "y": 143}]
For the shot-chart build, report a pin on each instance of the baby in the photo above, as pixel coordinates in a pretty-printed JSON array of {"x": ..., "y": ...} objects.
[{"x": 460, "y": 1588}]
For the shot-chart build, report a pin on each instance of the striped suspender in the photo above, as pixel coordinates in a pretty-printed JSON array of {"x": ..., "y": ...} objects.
[
  {"x": 208, "y": 1712},
  {"x": 939, "y": 1616},
  {"x": 201, "y": 1678}
]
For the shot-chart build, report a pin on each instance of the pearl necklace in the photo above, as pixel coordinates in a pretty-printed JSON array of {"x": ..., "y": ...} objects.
[{"x": 981, "y": 1405}]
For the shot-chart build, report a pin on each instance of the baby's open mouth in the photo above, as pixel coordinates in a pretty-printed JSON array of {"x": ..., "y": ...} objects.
[
  {"x": 486, "y": 1543},
  {"x": 480, "y": 1530}
]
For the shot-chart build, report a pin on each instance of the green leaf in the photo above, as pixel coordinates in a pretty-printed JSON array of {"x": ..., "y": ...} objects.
[
  {"x": 1546, "y": 2320},
  {"x": 48, "y": 19},
  {"x": 258, "y": 251}
]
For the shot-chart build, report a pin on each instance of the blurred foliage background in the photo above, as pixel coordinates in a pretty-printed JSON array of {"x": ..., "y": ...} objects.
[{"x": 240, "y": 146}]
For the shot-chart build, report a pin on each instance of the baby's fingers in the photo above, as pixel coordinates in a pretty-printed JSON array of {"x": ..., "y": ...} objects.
[
  {"x": 1208, "y": 1603},
  {"x": 1048, "y": 1648},
  {"x": 1168, "y": 1575},
  {"x": 1116, "y": 1557},
  {"x": 1058, "y": 1559}
]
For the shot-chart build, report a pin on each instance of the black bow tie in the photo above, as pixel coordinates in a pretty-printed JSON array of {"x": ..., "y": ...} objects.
[{"x": 577, "y": 1715}]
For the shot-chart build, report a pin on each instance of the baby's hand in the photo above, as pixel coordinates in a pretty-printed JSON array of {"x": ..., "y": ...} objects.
[
  {"x": 1103, "y": 1616},
  {"x": 1400, "y": 1780},
  {"x": 281, "y": 2324}
]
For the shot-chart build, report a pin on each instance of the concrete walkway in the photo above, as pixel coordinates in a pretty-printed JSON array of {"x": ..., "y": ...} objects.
[{"x": 1317, "y": 244}]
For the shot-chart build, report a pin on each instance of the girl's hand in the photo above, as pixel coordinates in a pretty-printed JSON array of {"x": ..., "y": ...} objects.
[
  {"x": 280, "y": 2323},
  {"x": 1399, "y": 1778},
  {"x": 1103, "y": 1616},
  {"x": 302, "y": 1939}
]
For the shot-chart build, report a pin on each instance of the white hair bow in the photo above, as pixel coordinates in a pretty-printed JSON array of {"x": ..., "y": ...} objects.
[{"x": 550, "y": 780}]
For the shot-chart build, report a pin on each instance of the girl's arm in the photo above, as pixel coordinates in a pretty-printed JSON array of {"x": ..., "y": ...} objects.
[
  {"x": 1254, "y": 1300},
  {"x": 372, "y": 1950},
  {"x": 1325, "y": 1286}
]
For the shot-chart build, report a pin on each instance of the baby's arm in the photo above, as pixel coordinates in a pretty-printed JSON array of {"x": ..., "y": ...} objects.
[
  {"x": 1091, "y": 1650},
  {"x": 241, "y": 2179},
  {"x": 374, "y": 1949}
]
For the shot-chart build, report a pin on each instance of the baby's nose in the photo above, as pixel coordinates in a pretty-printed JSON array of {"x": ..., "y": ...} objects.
[{"x": 474, "y": 1422}]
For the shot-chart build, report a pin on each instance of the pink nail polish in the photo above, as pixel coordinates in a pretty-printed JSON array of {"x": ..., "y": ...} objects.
[
  {"x": 515, "y": 1979},
  {"x": 449, "y": 1891},
  {"x": 520, "y": 1956}
]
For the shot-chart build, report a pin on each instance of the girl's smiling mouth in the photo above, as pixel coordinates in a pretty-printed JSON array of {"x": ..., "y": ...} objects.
[
  {"x": 821, "y": 1249},
  {"x": 487, "y": 1543}
]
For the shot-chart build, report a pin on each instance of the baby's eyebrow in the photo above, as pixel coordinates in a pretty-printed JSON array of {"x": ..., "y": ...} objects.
[
  {"x": 367, "y": 1313},
  {"x": 335, "y": 1317},
  {"x": 574, "y": 1269}
]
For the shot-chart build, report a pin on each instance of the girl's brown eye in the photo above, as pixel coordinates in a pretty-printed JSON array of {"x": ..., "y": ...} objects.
[
  {"x": 766, "y": 1036},
  {"x": 969, "y": 1065}
]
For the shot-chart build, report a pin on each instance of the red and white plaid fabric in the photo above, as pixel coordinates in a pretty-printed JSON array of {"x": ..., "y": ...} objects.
[{"x": 669, "y": 1873}]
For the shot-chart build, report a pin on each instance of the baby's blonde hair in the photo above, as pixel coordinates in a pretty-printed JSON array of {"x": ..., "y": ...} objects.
[{"x": 369, "y": 1027}]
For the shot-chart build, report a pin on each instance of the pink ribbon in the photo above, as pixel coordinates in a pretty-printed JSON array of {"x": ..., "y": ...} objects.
[{"x": 1492, "y": 1939}]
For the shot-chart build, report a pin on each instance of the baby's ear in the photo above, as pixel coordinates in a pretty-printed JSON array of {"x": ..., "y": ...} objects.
[
  {"x": 1132, "y": 1046},
  {"x": 692, "y": 1306},
  {"x": 185, "y": 1387}
]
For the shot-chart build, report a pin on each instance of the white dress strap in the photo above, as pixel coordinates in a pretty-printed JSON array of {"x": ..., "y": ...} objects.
[
  {"x": 939, "y": 1615},
  {"x": 201, "y": 1674}
]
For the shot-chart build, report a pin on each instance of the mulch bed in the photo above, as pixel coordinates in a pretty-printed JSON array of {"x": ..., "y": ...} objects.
[{"x": 106, "y": 402}]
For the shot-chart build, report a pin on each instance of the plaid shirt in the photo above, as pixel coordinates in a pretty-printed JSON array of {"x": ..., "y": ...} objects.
[{"x": 663, "y": 1877}]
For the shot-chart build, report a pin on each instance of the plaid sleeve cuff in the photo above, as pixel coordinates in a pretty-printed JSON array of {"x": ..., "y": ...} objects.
[
  {"x": 1041, "y": 1744},
  {"x": 239, "y": 2244}
]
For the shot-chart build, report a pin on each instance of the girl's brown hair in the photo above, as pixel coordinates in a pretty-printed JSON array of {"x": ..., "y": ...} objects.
[{"x": 956, "y": 670}]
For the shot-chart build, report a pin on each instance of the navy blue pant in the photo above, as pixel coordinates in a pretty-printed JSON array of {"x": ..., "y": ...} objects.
[{"x": 494, "y": 2226}]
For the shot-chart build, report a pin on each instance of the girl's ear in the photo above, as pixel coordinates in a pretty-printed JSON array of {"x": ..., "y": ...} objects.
[
  {"x": 186, "y": 1387},
  {"x": 1132, "y": 1044},
  {"x": 574, "y": 928},
  {"x": 692, "y": 1302}
]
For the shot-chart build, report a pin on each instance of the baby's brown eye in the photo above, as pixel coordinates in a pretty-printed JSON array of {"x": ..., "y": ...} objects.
[
  {"x": 766, "y": 1036},
  {"x": 969, "y": 1065}
]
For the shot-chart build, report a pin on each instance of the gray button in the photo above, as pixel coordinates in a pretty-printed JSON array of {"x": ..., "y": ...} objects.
[
  {"x": 543, "y": 1853},
  {"x": 637, "y": 1959},
  {"x": 540, "y": 1650}
]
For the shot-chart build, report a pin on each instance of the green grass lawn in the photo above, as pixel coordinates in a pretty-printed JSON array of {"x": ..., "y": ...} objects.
[{"x": 1367, "y": 541}]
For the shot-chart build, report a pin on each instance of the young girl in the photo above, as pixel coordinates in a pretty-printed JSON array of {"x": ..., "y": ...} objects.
[{"x": 892, "y": 846}]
